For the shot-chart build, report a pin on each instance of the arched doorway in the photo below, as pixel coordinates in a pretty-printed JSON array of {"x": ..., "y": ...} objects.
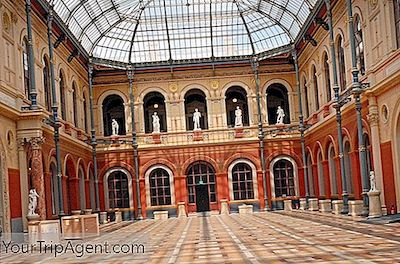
[
  {"x": 321, "y": 176},
  {"x": 347, "y": 167},
  {"x": 118, "y": 189},
  {"x": 159, "y": 186},
  {"x": 154, "y": 102},
  {"x": 277, "y": 95},
  {"x": 113, "y": 108},
  {"x": 195, "y": 99},
  {"x": 82, "y": 193},
  {"x": 242, "y": 180},
  {"x": 283, "y": 175},
  {"x": 236, "y": 96},
  {"x": 92, "y": 190},
  {"x": 54, "y": 189},
  {"x": 201, "y": 185},
  {"x": 332, "y": 170}
]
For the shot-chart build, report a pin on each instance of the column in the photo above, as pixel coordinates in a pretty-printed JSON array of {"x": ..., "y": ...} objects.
[
  {"x": 373, "y": 119},
  {"x": 37, "y": 174},
  {"x": 23, "y": 175}
]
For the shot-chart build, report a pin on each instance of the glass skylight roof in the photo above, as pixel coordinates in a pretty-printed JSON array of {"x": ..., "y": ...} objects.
[{"x": 134, "y": 31}]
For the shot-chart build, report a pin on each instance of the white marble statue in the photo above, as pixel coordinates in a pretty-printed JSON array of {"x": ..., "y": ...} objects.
[
  {"x": 33, "y": 196},
  {"x": 114, "y": 127},
  {"x": 196, "y": 120},
  {"x": 281, "y": 115},
  {"x": 372, "y": 181},
  {"x": 238, "y": 117},
  {"x": 156, "y": 123}
]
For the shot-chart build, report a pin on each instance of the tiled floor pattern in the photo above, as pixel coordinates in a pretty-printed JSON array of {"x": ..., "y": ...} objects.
[{"x": 257, "y": 238}]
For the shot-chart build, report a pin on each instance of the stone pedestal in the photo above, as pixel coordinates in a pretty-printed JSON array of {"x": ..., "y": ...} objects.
[
  {"x": 238, "y": 132},
  {"x": 355, "y": 207},
  {"x": 156, "y": 138},
  {"x": 118, "y": 216},
  {"x": 76, "y": 212},
  {"x": 313, "y": 204},
  {"x": 87, "y": 211},
  {"x": 303, "y": 203},
  {"x": 325, "y": 206},
  {"x": 337, "y": 206},
  {"x": 160, "y": 215},
  {"x": 287, "y": 205},
  {"x": 103, "y": 218},
  {"x": 181, "y": 210},
  {"x": 197, "y": 135},
  {"x": 245, "y": 209},
  {"x": 375, "y": 207},
  {"x": 47, "y": 230},
  {"x": 224, "y": 206}
]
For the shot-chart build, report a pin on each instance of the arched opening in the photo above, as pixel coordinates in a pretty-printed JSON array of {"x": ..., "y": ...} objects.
[
  {"x": 321, "y": 176},
  {"x": 75, "y": 103},
  {"x": 347, "y": 167},
  {"x": 195, "y": 99},
  {"x": 46, "y": 84},
  {"x": 54, "y": 189},
  {"x": 85, "y": 114},
  {"x": 235, "y": 97},
  {"x": 242, "y": 181},
  {"x": 82, "y": 193},
  {"x": 277, "y": 95},
  {"x": 305, "y": 95},
  {"x": 310, "y": 175},
  {"x": 358, "y": 36},
  {"x": 368, "y": 150},
  {"x": 327, "y": 77},
  {"x": 69, "y": 188},
  {"x": 25, "y": 65},
  {"x": 315, "y": 83},
  {"x": 160, "y": 187},
  {"x": 92, "y": 190},
  {"x": 113, "y": 108},
  {"x": 154, "y": 102},
  {"x": 284, "y": 181},
  {"x": 62, "y": 96},
  {"x": 341, "y": 62},
  {"x": 201, "y": 185},
  {"x": 118, "y": 190},
  {"x": 332, "y": 170}
]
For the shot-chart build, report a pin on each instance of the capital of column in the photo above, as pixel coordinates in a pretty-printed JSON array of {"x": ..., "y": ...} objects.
[
  {"x": 36, "y": 142},
  {"x": 373, "y": 118}
]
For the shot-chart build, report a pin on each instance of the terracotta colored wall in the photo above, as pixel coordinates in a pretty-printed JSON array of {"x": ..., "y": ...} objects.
[
  {"x": 15, "y": 193},
  {"x": 388, "y": 175}
]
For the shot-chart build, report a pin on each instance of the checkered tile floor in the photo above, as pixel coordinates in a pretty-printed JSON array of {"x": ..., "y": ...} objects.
[{"x": 268, "y": 237}]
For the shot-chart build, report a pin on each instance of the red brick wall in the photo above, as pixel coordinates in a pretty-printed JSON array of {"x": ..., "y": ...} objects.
[
  {"x": 15, "y": 193},
  {"x": 388, "y": 175}
]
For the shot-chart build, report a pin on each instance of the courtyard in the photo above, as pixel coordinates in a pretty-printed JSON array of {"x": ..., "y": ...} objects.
[{"x": 266, "y": 237}]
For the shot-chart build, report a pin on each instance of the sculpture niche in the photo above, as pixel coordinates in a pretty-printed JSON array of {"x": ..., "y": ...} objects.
[{"x": 196, "y": 120}]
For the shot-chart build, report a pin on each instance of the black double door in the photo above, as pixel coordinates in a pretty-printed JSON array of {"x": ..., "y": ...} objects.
[{"x": 202, "y": 198}]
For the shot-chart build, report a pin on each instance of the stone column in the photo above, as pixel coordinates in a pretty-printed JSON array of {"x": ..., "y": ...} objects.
[
  {"x": 373, "y": 119},
  {"x": 37, "y": 174},
  {"x": 23, "y": 177}
]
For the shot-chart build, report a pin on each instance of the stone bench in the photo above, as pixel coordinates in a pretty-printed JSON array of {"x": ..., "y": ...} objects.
[
  {"x": 287, "y": 205},
  {"x": 245, "y": 209},
  {"x": 160, "y": 215},
  {"x": 337, "y": 206},
  {"x": 355, "y": 207},
  {"x": 325, "y": 206},
  {"x": 313, "y": 204}
]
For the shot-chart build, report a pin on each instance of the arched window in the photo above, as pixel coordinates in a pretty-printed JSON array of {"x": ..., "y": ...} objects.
[
  {"x": 321, "y": 176},
  {"x": 75, "y": 103},
  {"x": 310, "y": 175},
  {"x": 54, "y": 190},
  {"x": 397, "y": 21},
  {"x": 242, "y": 182},
  {"x": 62, "y": 96},
  {"x": 367, "y": 146},
  {"x": 347, "y": 166},
  {"x": 305, "y": 96},
  {"x": 85, "y": 114},
  {"x": 82, "y": 194},
  {"x": 327, "y": 78},
  {"x": 113, "y": 108},
  {"x": 284, "y": 178},
  {"x": 359, "y": 44},
  {"x": 160, "y": 187},
  {"x": 277, "y": 95},
  {"x": 236, "y": 96},
  {"x": 154, "y": 102},
  {"x": 25, "y": 65},
  {"x": 195, "y": 99},
  {"x": 46, "y": 84},
  {"x": 342, "y": 65},
  {"x": 315, "y": 83},
  {"x": 332, "y": 169},
  {"x": 92, "y": 190},
  {"x": 118, "y": 192},
  {"x": 201, "y": 173}
]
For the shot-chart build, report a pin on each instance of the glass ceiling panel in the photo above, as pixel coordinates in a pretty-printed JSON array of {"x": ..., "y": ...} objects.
[{"x": 137, "y": 31}]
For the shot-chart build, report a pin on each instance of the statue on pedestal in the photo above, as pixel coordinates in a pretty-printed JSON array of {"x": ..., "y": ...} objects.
[
  {"x": 238, "y": 117},
  {"x": 114, "y": 127},
  {"x": 281, "y": 115},
  {"x": 33, "y": 196},
  {"x": 196, "y": 120},
  {"x": 156, "y": 123},
  {"x": 372, "y": 181}
]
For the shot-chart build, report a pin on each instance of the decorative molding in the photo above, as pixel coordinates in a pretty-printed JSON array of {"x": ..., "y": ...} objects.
[{"x": 36, "y": 142}]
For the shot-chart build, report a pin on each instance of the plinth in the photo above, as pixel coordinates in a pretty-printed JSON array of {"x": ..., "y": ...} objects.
[
  {"x": 375, "y": 207},
  {"x": 156, "y": 138},
  {"x": 224, "y": 206},
  {"x": 238, "y": 132},
  {"x": 197, "y": 135},
  {"x": 287, "y": 205},
  {"x": 181, "y": 209}
]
